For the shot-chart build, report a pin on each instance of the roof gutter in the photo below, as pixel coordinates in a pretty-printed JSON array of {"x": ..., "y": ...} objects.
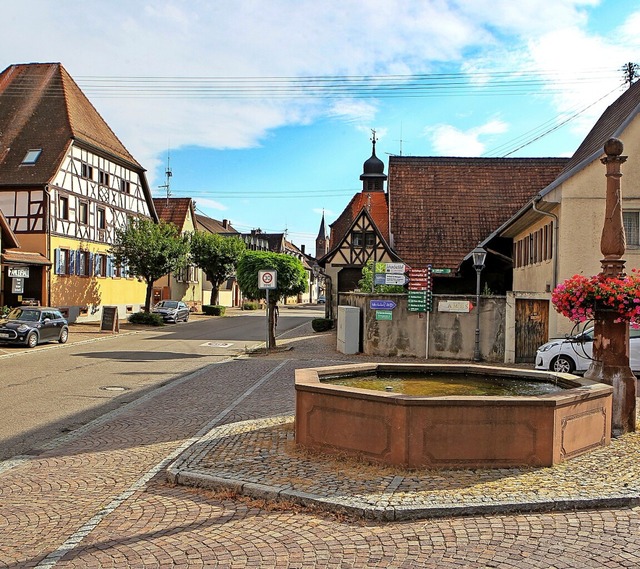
[{"x": 555, "y": 237}]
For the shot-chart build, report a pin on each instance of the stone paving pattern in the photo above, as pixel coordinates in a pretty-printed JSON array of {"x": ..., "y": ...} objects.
[{"x": 101, "y": 498}]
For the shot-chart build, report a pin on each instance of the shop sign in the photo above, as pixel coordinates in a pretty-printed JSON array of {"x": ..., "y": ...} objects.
[{"x": 18, "y": 272}]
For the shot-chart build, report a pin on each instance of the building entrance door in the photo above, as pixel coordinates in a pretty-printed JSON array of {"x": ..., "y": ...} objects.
[{"x": 532, "y": 327}]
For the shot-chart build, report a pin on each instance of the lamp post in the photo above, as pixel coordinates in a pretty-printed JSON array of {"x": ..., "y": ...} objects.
[{"x": 479, "y": 256}]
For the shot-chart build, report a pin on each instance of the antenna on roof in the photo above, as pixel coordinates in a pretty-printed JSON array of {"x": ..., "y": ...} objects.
[
  {"x": 631, "y": 72},
  {"x": 167, "y": 185}
]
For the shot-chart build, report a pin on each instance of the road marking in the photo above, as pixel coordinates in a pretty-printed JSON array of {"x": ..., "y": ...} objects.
[{"x": 76, "y": 538}]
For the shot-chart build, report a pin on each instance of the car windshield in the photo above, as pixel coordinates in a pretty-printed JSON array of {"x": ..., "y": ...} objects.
[
  {"x": 168, "y": 304},
  {"x": 25, "y": 315}
]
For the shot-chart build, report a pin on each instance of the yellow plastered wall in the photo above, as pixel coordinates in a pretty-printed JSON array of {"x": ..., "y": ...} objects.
[{"x": 86, "y": 296}]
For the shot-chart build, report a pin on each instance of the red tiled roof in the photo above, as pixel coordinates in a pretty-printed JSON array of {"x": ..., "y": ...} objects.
[
  {"x": 211, "y": 225},
  {"x": 174, "y": 210},
  {"x": 442, "y": 207},
  {"x": 375, "y": 202},
  {"x": 41, "y": 107}
]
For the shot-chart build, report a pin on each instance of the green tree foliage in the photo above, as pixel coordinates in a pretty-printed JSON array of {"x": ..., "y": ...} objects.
[
  {"x": 150, "y": 250},
  {"x": 217, "y": 256},
  {"x": 366, "y": 281},
  {"x": 291, "y": 280}
]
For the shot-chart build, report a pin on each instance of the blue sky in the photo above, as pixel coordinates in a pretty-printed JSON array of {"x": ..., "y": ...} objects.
[{"x": 195, "y": 81}]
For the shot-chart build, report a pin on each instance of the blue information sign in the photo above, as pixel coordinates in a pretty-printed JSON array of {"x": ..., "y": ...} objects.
[{"x": 382, "y": 304}]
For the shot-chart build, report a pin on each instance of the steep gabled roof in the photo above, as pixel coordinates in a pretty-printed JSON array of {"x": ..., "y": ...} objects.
[
  {"x": 41, "y": 107},
  {"x": 611, "y": 123},
  {"x": 376, "y": 205},
  {"x": 442, "y": 207},
  {"x": 211, "y": 225},
  {"x": 364, "y": 212},
  {"x": 174, "y": 210}
]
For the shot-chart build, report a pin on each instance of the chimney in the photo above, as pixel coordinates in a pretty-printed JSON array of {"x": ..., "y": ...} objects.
[
  {"x": 302, "y": 249},
  {"x": 225, "y": 224}
]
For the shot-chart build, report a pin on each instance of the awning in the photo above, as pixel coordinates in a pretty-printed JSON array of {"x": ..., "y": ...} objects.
[{"x": 15, "y": 257}]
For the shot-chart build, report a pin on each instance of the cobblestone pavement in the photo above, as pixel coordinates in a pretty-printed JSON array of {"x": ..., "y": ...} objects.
[{"x": 99, "y": 497}]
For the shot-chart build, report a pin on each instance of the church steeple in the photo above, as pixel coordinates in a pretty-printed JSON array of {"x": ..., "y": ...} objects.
[
  {"x": 373, "y": 176},
  {"x": 322, "y": 241}
]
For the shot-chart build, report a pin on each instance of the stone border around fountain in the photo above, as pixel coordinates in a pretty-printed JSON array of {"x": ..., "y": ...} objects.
[{"x": 452, "y": 431}]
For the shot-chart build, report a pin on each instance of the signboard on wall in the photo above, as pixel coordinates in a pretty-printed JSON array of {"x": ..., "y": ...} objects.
[
  {"x": 18, "y": 272},
  {"x": 454, "y": 306}
]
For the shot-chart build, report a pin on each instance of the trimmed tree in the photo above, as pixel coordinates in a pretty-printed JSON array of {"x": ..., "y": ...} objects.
[
  {"x": 291, "y": 280},
  {"x": 217, "y": 256},
  {"x": 149, "y": 251}
]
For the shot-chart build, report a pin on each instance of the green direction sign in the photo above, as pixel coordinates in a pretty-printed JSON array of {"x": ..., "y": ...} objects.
[
  {"x": 417, "y": 301},
  {"x": 384, "y": 315},
  {"x": 441, "y": 271}
]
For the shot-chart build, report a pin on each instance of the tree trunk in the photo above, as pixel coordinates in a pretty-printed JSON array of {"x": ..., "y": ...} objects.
[{"x": 147, "y": 299}]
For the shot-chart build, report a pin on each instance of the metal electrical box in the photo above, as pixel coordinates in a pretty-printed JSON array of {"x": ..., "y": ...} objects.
[{"x": 348, "y": 329}]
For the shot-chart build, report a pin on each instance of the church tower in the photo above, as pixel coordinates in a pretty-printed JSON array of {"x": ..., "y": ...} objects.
[
  {"x": 322, "y": 240},
  {"x": 373, "y": 176}
]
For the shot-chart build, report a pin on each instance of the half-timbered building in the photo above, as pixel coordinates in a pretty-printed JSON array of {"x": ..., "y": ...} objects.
[
  {"x": 66, "y": 184},
  {"x": 360, "y": 234}
]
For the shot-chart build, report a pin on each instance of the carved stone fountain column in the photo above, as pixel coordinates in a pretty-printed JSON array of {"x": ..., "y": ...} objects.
[{"x": 611, "y": 339}]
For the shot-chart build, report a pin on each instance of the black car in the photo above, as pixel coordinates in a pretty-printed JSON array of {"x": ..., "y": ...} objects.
[
  {"x": 31, "y": 325},
  {"x": 171, "y": 310}
]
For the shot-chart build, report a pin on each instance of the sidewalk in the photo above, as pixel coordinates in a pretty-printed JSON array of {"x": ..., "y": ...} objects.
[{"x": 260, "y": 459}]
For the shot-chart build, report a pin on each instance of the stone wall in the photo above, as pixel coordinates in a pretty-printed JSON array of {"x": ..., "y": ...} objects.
[{"x": 451, "y": 334}]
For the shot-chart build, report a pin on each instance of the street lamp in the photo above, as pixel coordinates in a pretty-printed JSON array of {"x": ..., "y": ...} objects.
[{"x": 479, "y": 256}]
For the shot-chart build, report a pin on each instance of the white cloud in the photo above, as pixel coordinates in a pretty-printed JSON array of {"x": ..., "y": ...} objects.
[
  {"x": 180, "y": 39},
  {"x": 447, "y": 140},
  {"x": 208, "y": 204}
]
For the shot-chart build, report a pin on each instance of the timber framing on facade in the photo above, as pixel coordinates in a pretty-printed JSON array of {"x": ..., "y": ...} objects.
[{"x": 67, "y": 184}]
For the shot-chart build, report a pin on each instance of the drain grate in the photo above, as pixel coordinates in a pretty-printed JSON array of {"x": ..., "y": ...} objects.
[
  {"x": 114, "y": 388},
  {"x": 217, "y": 344}
]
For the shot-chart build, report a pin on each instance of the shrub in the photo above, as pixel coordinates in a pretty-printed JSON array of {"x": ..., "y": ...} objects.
[
  {"x": 213, "y": 309},
  {"x": 4, "y": 310},
  {"x": 146, "y": 318},
  {"x": 322, "y": 324},
  {"x": 250, "y": 305}
]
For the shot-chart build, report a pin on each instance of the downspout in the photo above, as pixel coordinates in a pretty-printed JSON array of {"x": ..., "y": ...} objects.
[
  {"x": 47, "y": 230},
  {"x": 555, "y": 238}
]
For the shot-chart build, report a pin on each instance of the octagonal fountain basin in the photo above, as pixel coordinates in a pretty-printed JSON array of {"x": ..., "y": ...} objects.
[{"x": 565, "y": 417}]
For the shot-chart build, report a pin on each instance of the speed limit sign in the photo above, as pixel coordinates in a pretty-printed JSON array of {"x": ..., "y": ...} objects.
[{"x": 267, "y": 279}]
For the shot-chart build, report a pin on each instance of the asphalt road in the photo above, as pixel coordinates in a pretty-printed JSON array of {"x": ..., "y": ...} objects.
[{"x": 53, "y": 389}]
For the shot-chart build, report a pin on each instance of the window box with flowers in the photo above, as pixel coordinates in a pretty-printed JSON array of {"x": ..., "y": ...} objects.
[{"x": 578, "y": 298}]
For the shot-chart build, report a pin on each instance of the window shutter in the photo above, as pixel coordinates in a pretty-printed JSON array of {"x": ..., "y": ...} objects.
[{"x": 57, "y": 263}]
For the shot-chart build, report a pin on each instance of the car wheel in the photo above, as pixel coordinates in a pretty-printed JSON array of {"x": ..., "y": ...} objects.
[
  {"x": 64, "y": 336},
  {"x": 32, "y": 340},
  {"x": 186, "y": 318},
  {"x": 563, "y": 364}
]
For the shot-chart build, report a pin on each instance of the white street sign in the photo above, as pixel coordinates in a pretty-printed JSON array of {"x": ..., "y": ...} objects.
[
  {"x": 398, "y": 268},
  {"x": 267, "y": 280},
  {"x": 394, "y": 279}
]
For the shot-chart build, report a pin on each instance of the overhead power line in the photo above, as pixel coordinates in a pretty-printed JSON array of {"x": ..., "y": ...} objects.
[{"x": 332, "y": 86}]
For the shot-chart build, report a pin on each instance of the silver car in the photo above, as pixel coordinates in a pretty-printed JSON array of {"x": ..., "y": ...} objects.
[{"x": 172, "y": 310}]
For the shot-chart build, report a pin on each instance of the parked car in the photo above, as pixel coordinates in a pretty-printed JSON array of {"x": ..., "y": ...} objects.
[
  {"x": 573, "y": 353},
  {"x": 321, "y": 299},
  {"x": 33, "y": 325},
  {"x": 171, "y": 310}
]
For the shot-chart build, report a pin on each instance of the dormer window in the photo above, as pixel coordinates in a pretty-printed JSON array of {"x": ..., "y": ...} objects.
[{"x": 31, "y": 157}]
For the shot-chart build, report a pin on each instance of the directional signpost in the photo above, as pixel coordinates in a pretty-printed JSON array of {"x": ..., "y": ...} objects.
[
  {"x": 420, "y": 293},
  {"x": 382, "y": 304}
]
